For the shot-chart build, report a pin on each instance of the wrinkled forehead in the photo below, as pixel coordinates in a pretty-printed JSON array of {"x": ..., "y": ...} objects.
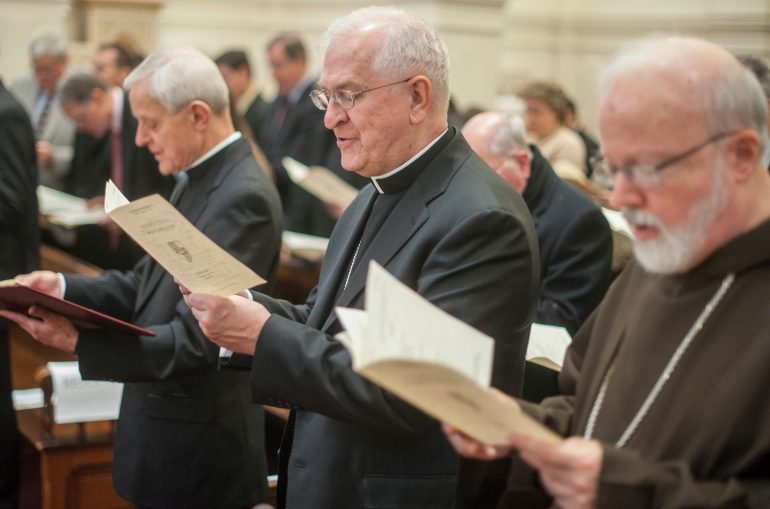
[{"x": 350, "y": 61}]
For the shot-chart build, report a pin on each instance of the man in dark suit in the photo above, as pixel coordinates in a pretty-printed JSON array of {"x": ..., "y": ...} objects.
[
  {"x": 105, "y": 149},
  {"x": 295, "y": 128},
  {"x": 573, "y": 235},
  {"x": 20, "y": 252},
  {"x": 187, "y": 435},
  {"x": 439, "y": 219},
  {"x": 236, "y": 70}
]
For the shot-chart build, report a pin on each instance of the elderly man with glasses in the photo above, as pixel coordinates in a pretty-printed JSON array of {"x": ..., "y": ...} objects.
[
  {"x": 664, "y": 390},
  {"x": 435, "y": 216}
]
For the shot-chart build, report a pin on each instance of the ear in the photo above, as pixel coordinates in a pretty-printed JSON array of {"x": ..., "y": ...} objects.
[
  {"x": 201, "y": 115},
  {"x": 743, "y": 155},
  {"x": 422, "y": 97},
  {"x": 524, "y": 162},
  {"x": 97, "y": 95}
]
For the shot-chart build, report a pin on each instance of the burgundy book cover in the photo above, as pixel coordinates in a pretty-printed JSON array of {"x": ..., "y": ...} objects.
[{"x": 20, "y": 298}]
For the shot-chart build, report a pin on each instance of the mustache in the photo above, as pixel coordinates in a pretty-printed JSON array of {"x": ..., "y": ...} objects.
[{"x": 636, "y": 217}]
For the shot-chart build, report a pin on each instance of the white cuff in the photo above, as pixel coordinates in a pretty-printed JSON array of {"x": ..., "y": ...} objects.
[{"x": 63, "y": 284}]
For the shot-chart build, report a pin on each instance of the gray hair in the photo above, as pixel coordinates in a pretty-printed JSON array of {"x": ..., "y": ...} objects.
[
  {"x": 48, "y": 44},
  {"x": 76, "y": 87},
  {"x": 177, "y": 77},
  {"x": 730, "y": 102},
  {"x": 411, "y": 46},
  {"x": 510, "y": 135},
  {"x": 760, "y": 70}
]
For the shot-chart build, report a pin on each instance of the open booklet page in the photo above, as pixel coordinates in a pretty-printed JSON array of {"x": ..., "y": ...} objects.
[
  {"x": 430, "y": 359},
  {"x": 320, "y": 182},
  {"x": 66, "y": 210},
  {"x": 177, "y": 245},
  {"x": 548, "y": 345}
]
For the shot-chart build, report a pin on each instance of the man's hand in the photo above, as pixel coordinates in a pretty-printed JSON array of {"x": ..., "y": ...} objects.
[
  {"x": 231, "y": 322},
  {"x": 47, "y": 327},
  {"x": 473, "y": 449},
  {"x": 569, "y": 471},
  {"x": 44, "y": 153},
  {"x": 43, "y": 281}
]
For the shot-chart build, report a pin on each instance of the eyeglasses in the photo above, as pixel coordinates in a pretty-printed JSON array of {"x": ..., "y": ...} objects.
[
  {"x": 647, "y": 176},
  {"x": 343, "y": 98}
]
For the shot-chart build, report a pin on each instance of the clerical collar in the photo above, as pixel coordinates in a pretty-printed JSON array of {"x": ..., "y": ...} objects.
[
  {"x": 403, "y": 176},
  {"x": 218, "y": 147}
]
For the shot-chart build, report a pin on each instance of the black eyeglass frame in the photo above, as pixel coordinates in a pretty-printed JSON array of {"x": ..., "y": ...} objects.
[
  {"x": 315, "y": 95},
  {"x": 651, "y": 173}
]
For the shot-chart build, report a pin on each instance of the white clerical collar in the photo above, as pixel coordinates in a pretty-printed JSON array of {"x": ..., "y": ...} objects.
[
  {"x": 417, "y": 155},
  {"x": 219, "y": 146},
  {"x": 117, "y": 109}
]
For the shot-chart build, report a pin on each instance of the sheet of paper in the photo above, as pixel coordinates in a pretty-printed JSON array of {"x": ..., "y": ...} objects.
[
  {"x": 451, "y": 397},
  {"x": 403, "y": 325},
  {"x": 617, "y": 222},
  {"x": 320, "y": 182},
  {"x": 307, "y": 247},
  {"x": 75, "y": 400},
  {"x": 113, "y": 198},
  {"x": 178, "y": 246},
  {"x": 355, "y": 336},
  {"x": 28, "y": 398},
  {"x": 548, "y": 342},
  {"x": 66, "y": 210}
]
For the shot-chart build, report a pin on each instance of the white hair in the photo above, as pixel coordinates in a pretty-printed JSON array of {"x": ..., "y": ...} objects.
[
  {"x": 177, "y": 77},
  {"x": 411, "y": 46},
  {"x": 733, "y": 101},
  {"x": 510, "y": 135},
  {"x": 48, "y": 44}
]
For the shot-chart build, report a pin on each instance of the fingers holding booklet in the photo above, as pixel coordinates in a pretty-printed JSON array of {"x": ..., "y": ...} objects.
[{"x": 434, "y": 361}]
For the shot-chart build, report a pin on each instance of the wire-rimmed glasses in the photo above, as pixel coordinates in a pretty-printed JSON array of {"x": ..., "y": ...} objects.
[{"x": 344, "y": 98}]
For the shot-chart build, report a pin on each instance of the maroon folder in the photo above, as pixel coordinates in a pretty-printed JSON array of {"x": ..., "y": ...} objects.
[{"x": 20, "y": 298}]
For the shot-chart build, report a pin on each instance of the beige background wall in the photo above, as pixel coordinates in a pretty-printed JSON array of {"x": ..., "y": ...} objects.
[{"x": 495, "y": 45}]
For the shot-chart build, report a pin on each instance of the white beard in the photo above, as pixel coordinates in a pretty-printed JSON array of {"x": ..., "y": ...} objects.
[{"x": 673, "y": 251}]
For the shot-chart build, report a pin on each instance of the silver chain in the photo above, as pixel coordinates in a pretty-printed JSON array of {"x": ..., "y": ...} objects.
[{"x": 672, "y": 363}]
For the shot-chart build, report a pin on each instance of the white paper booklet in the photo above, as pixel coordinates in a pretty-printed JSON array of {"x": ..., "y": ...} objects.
[
  {"x": 75, "y": 400},
  {"x": 178, "y": 246},
  {"x": 431, "y": 359},
  {"x": 320, "y": 182},
  {"x": 66, "y": 210},
  {"x": 548, "y": 345}
]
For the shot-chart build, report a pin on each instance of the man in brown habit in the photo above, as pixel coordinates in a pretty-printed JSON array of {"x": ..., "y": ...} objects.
[{"x": 666, "y": 388}]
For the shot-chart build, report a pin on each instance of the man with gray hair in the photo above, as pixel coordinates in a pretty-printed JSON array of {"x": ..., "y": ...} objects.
[
  {"x": 664, "y": 389},
  {"x": 187, "y": 435},
  {"x": 54, "y": 132},
  {"x": 435, "y": 216},
  {"x": 573, "y": 235}
]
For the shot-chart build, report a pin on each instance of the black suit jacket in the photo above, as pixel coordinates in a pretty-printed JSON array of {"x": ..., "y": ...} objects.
[
  {"x": 575, "y": 247},
  {"x": 188, "y": 435},
  {"x": 256, "y": 116},
  {"x": 19, "y": 234},
  {"x": 303, "y": 137},
  {"x": 461, "y": 237},
  {"x": 92, "y": 164}
]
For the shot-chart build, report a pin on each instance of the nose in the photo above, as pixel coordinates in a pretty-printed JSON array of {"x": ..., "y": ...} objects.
[
  {"x": 625, "y": 193},
  {"x": 141, "y": 139},
  {"x": 334, "y": 115}
]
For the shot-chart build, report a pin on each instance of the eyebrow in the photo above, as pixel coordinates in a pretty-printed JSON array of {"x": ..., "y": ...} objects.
[{"x": 341, "y": 86}]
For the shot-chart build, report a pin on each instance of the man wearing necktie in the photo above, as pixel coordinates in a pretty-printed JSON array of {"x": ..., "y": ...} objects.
[
  {"x": 105, "y": 149},
  {"x": 54, "y": 132},
  {"x": 435, "y": 216},
  {"x": 188, "y": 434}
]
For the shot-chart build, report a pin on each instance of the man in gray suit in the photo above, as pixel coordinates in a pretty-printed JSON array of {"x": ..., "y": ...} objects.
[
  {"x": 435, "y": 216},
  {"x": 54, "y": 132},
  {"x": 188, "y": 435}
]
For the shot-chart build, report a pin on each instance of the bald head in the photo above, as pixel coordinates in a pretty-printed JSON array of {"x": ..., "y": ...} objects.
[
  {"x": 685, "y": 111},
  {"x": 500, "y": 140}
]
